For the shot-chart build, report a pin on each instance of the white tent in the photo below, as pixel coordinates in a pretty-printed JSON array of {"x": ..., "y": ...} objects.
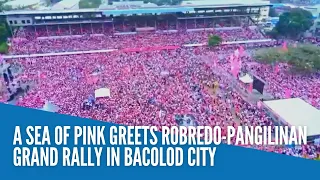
[
  {"x": 102, "y": 92},
  {"x": 296, "y": 112},
  {"x": 247, "y": 79},
  {"x": 50, "y": 107}
]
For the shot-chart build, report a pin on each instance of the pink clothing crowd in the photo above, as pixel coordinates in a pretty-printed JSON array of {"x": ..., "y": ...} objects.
[
  {"x": 152, "y": 88},
  {"x": 99, "y": 42}
]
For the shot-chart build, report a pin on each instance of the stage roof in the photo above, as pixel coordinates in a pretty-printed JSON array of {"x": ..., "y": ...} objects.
[{"x": 297, "y": 112}]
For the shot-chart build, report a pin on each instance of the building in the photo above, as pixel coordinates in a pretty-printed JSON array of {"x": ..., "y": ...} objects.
[
  {"x": 262, "y": 17},
  {"x": 30, "y": 4},
  {"x": 66, "y": 4},
  {"x": 315, "y": 10},
  {"x": 133, "y": 19},
  {"x": 127, "y": 5}
]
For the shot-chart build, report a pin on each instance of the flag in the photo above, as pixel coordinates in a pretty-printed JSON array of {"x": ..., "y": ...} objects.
[
  {"x": 234, "y": 65},
  {"x": 234, "y": 71},
  {"x": 284, "y": 46},
  {"x": 250, "y": 87},
  {"x": 276, "y": 68},
  {"x": 287, "y": 93},
  {"x": 215, "y": 62}
]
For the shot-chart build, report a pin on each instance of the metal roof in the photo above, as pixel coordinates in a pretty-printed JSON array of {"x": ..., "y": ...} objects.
[
  {"x": 32, "y": 12},
  {"x": 148, "y": 11},
  {"x": 161, "y": 9}
]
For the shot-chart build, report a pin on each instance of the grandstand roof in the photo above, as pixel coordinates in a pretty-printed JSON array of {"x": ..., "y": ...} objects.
[
  {"x": 224, "y": 2},
  {"x": 140, "y": 10},
  {"x": 22, "y": 12},
  {"x": 148, "y": 10}
]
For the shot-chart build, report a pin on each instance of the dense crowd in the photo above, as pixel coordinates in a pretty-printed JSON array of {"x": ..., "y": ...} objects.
[
  {"x": 111, "y": 41},
  {"x": 153, "y": 88},
  {"x": 281, "y": 81}
]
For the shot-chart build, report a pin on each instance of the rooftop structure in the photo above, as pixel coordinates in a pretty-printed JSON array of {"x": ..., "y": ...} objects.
[
  {"x": 66, "y": 4},
  {"x": 296, "y": 112},
  {"x": 22, "y": 3}
]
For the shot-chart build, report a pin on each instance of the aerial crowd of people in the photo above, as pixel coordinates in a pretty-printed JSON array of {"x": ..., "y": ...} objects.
[
  {"x": 152, "y": 88},
  {"x": 102, "y": 41}
]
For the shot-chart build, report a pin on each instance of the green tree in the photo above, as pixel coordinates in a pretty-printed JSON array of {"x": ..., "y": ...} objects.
[
  {"x": 89, "y": 4},
  {"x": 1, "y": 5},
  {"x": 214, "y": 40},
  {"x": 304, "y": 58},
  {"x": 4, "y": 34},
  {"x": 273, "y": 33},
  {"x": 292, "y": 24},
  {"x": 273, "y": 13},
  {"x": 4, "y": 48},
  {"x": 4, "y": 7}
]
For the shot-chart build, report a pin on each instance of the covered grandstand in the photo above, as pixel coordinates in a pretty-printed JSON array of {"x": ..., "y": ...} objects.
[{"x": 118, "y": 19}]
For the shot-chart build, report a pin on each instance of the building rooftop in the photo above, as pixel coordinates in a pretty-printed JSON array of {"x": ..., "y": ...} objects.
[
  {"x": 224, "y": 2},
  {"x": 147, "y": 9}
]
